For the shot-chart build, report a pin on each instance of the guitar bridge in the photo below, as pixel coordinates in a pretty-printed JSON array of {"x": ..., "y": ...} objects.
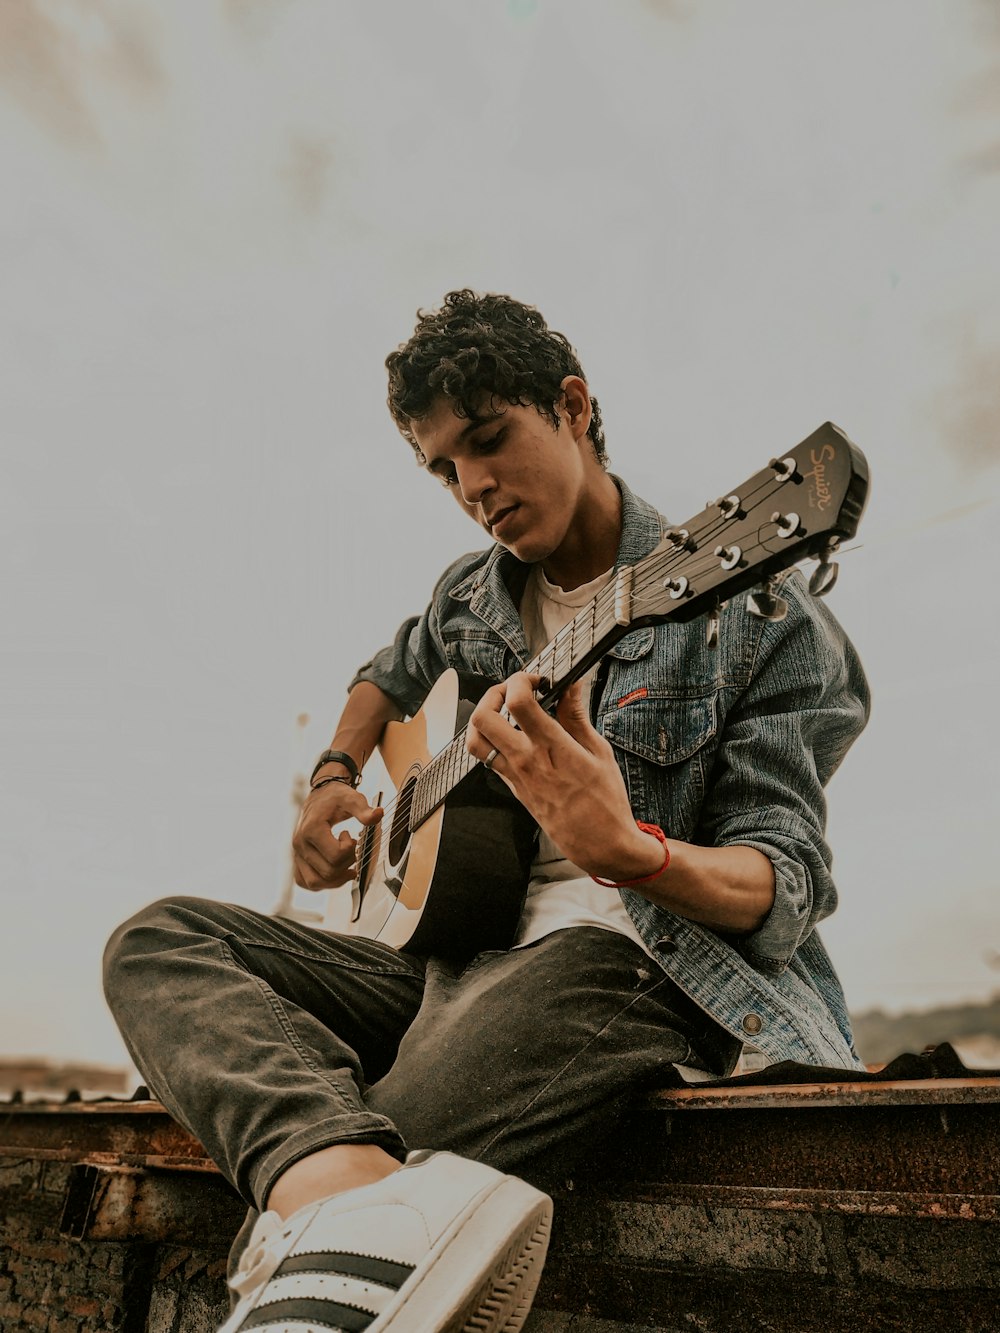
[{"x": 394, "y": 884}]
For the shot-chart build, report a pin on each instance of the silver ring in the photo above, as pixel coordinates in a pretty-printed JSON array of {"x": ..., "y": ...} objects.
[{"x": 488, "y": 761}]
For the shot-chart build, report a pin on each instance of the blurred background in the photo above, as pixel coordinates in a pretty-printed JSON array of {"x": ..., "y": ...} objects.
[{"x": 217, "y": 218}]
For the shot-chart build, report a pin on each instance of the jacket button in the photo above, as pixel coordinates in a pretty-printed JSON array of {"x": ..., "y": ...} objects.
[
  {"x": 752, "y": 1024},
  {"x": 667, "y": 944}
]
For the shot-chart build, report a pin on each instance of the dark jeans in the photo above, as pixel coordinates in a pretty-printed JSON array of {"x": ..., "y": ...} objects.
[{"x": 269, "y": 1040}]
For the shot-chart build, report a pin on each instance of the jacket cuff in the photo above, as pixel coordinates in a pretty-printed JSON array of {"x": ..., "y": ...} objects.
[
  {"x": 771, "y": 946},
  {"x": 379, "y": 672}
]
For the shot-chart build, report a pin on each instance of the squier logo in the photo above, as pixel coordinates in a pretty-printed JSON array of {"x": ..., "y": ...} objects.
[{"x": 819, "y": 493}]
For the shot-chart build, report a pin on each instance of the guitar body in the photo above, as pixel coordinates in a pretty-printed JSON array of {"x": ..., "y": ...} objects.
[{"x": 455, "y": 885}]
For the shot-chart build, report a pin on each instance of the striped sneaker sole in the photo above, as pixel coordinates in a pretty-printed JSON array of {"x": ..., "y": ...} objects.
[
  {"x": 480, "y": 1277},
  {"x": 513, "y": 1221},
  {"x": 504, "y": 1302}
]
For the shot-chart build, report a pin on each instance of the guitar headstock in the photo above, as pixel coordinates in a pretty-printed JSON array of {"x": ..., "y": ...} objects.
[{"x": 805, "y": 502}]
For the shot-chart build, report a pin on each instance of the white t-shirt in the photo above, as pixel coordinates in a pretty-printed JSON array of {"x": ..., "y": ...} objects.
[{"x": 559, "y": 893}]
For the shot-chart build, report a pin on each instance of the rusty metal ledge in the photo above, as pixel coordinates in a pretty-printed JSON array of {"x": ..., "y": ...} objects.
[
  {"x": 106, "y": 1133},
  {"x": 868, "y": 1203},
  {"x": 933, "y": 1138},
  {"x": 801, "y": 1096}
]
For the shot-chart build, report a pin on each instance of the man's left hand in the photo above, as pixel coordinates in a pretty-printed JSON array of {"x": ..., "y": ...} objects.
[{"x": 565, "y": 774}]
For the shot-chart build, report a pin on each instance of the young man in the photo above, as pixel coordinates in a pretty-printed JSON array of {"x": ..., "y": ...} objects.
[{"x": 312, "y": 1065}]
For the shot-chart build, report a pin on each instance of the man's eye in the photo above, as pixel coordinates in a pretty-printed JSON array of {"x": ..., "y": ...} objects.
[
  {"x": 489, "y": 445},
  {"x": 447, "y": 476}
]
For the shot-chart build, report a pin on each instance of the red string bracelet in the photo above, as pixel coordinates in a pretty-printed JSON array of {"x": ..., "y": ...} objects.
[{"x": 657, "y": 832}]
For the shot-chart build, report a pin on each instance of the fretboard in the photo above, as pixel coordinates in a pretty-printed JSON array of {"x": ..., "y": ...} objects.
[{"x": 560, "y": 662}]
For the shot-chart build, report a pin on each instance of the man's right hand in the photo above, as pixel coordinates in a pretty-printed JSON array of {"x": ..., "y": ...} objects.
[{"x": 321, "y": 858}]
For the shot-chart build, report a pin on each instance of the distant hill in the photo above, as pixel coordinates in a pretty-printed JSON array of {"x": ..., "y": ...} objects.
[
  {"x": 881, "y": 1036},
  {"x": 33, "y": 1074}
]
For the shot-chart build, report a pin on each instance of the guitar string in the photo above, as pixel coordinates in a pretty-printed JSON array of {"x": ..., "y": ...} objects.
[{"x": 666, "y": 563}]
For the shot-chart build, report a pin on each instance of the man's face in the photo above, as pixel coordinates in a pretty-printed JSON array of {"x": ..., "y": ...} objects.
[{"x": 516, "y": 474}]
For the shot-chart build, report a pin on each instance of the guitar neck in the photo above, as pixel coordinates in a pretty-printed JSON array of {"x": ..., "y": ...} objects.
[
  {"x": 570, "y": 655},
  {"x": 799, "y": 505}
]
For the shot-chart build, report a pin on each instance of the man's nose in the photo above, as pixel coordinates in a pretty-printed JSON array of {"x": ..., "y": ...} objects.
[{"x": 475, "y": 481}]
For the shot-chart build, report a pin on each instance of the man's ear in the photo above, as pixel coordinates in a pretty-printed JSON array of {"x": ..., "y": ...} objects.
[{"x": 575, "y": 405}]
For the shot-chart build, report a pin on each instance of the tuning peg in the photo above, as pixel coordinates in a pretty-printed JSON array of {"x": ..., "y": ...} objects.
[
  {"x": 712, "y": 624},
  {"x": 784, "y": 469},
  {"x": 680, "y": 539},
  {"x": 788, "y": 525},
  {"x": 765, "y": 603},
  {"x": 730, "y": 557},
  {"x": 824, "y": 576}
]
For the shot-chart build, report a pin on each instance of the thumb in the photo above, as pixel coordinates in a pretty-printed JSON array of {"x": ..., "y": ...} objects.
[
  {"x": 370, "y": 815},
  {"x": 571, "y": 714}
]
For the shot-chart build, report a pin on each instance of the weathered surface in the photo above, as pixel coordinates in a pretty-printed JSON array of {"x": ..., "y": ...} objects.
[
  {"x": 105, "y": 1133},
  {"x": 623, "y": 1266},
  {"x": 817, "y": 1209},
  {"x": 54, "y": 1284}
]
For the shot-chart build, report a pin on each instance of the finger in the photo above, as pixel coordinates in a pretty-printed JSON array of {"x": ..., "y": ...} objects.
[
  {"x": 324, "y": 850},
  {"x": 345, "y": 865},
  {"x": 487, "y": 730},
  {"x": 492, "y": 700},
  {"x": 485, "y": 744},
  {"x": 524, "y": 708},
  {"x": 307, "y": 876},
  {"x": 571, "y": 714},
  {"x": 316, "y": 866},
  {"x": 495, "y": 698},
  {"x": 338, "y": 801},
  {"x": 503, "y": 765},
  {"x": 348, "y": 847},
  {"x": 310, "y": 860}
]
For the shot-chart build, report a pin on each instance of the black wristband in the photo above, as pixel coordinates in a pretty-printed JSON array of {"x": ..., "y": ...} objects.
[{"x": 337, "y": 757}]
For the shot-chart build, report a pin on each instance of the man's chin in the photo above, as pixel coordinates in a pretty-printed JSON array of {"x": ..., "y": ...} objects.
[
  {"x": 527, "y": 546},
  {"x": 528, "y": 552}
]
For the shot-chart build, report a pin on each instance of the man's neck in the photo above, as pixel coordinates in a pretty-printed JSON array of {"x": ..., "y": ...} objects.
[{"x": 592, "y": 543}]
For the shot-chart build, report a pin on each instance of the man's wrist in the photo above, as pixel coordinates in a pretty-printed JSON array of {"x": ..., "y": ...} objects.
[
  {"x": 644, "y": 856},
  {"x": 335, "y": 763},
  {"x": 331, "y": 770},
  {"x": 333, "y": 779}
]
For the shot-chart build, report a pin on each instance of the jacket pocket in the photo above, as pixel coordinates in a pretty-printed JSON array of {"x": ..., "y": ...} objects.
[{"x": 664, "y": 748}]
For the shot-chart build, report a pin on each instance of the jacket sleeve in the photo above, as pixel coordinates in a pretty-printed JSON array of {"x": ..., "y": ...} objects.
[{"x": 783, "y": 739}]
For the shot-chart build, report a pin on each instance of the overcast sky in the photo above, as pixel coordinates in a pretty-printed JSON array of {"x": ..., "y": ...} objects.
[{"x": 217, "y": 218}]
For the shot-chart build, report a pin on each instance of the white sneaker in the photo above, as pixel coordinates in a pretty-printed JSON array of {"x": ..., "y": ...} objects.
[{"x": 443, "y": 1245}]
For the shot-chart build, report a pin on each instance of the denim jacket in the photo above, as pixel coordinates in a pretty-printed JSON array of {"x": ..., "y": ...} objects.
[{"x": 719, "y": 746}]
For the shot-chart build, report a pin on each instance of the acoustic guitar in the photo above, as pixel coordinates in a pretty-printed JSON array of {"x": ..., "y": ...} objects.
[{"x": 446, "y": 869}]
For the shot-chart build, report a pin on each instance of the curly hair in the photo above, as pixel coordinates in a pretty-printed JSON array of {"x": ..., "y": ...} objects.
[{"x": 477, "y": 349}]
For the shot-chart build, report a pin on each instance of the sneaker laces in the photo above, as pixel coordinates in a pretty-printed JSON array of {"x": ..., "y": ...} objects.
[{"x": 263, "y": 1253}]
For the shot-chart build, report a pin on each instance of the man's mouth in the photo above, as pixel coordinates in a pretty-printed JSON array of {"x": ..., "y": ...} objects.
[{"x": 498, "y": 520}]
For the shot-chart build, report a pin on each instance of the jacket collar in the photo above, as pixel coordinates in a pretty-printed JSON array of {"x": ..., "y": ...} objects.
[
  {"x": 642, "y": 529},
  {"x": 493, "y": 589}
]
